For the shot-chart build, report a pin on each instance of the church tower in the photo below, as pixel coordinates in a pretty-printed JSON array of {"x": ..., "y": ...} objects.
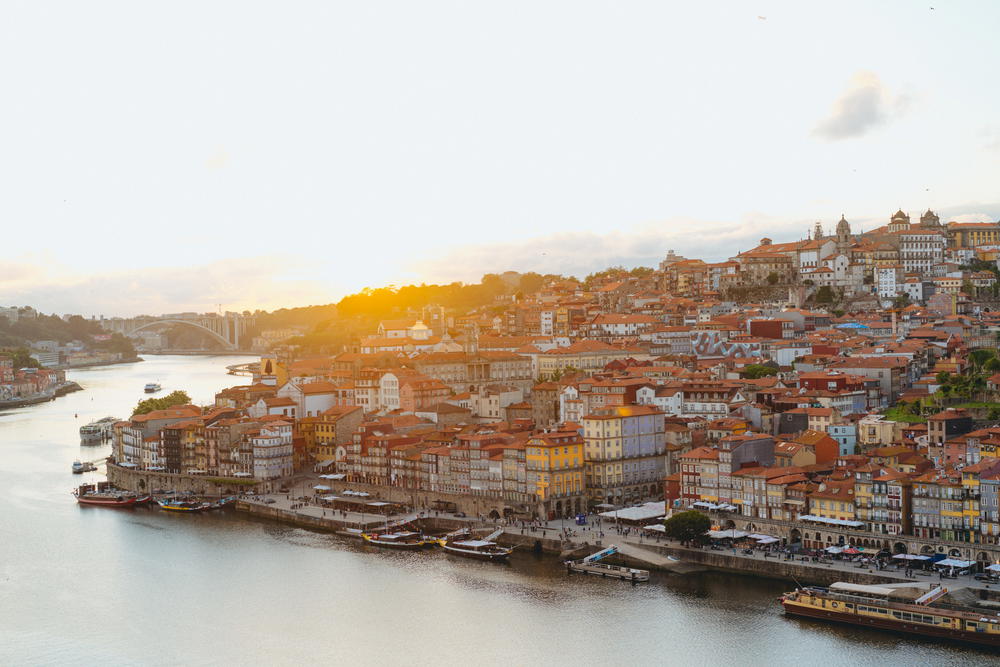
[
  {"x": 930, "y": 220},
  {"x": 817, "y": 231},
  {"x": 843, "y": 234}
]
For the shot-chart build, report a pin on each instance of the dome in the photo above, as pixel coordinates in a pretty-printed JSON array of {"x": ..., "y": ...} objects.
[{"x": 899, "y": 215}]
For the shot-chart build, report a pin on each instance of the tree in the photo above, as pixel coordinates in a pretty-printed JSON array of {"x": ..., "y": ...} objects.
[
  {"x": 687, "y": 526},
  {"x": 20, "y": 357},
  {"x": 824, "y": 294},
  {"x": 773, "y": 278},
  {"x": 981, "y": 356},
  {"x": 992, "y": 365},
  {"x": 641, "y": 271},
  {"x": 943, "y": 377},
  {"x": 757, "y": 371},
  {"x": 168, "y": 401}
]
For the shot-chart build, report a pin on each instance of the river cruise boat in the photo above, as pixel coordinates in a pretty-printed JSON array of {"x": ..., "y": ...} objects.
[
  {"x": 399, "y": 540},
  {"x": 98, "y": 432},
  {"x": 898, "y": 609},
  {"x": 152, "y": 388},
  {"x": 105, "y": 495},
  {"x": 461, "y": 543}
]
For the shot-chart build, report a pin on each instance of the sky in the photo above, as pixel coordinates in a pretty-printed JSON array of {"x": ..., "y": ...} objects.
[{"x": 165, "y": 157}]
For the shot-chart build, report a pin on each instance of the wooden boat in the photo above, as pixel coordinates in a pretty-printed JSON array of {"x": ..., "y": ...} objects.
[
  {"x": 889, "y": 609},
  {"x": 462, "y": 543},
  {"x": 401, "y": 540},
  {"x": 105, "y": 495},
  {"x": 184, "y": 506}
]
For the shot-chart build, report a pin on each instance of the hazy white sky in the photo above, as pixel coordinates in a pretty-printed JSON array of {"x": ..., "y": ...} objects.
[{"x": 173, "y": 156}]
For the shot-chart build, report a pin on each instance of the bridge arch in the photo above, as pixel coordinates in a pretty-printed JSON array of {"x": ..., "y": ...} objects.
[{"x": 149, "y": 325}]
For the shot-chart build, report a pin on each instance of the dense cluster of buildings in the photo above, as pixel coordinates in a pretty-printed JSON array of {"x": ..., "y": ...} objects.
[
  {"x": 18, "y": 384},
  {"x": 874, "y": 411}
]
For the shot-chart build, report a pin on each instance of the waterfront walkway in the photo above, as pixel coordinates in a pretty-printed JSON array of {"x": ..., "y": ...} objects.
[{"x": 640, "y": 547}]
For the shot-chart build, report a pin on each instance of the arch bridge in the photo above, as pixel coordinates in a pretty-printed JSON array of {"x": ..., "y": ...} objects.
[{"x": 227, "y": 329}]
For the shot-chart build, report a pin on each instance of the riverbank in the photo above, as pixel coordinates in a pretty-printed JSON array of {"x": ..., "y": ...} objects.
[
  {"x": 547, "y": 539},
  {"x": 43, "y": 397},
  {"x": 96, "y": 364}
]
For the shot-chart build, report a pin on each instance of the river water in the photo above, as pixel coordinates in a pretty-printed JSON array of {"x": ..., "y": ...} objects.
[{"x": 84, "y": 585}]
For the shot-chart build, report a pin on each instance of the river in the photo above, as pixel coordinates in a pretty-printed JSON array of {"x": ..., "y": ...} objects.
[{"x": 84, "y": 585}]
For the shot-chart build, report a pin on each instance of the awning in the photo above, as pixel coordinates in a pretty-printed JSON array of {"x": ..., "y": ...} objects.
[
  {"x": 322, "y": 487},
  {"x": 731, "y": 534},
  {"x": 656, "y": 526},
  {"x": 831, "y": 522},
  {"x": 767, "y": 540},
  {"x": 954, "y": 562},
  {"x": 336, "y": 477},
  {"x": 910, "y": 557},
  {"x": 834, "y": 550},
  {"x": 995, "y": 567}
]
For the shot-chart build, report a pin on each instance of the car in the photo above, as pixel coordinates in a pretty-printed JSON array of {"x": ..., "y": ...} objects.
[
  {"x": 270, "y": 501},
  {"x": 460, "y": 515},
  {"x": 283, "y": 489}
]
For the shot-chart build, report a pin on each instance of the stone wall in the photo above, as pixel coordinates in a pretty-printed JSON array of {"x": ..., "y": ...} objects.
[{"x": 143, "y": 481}]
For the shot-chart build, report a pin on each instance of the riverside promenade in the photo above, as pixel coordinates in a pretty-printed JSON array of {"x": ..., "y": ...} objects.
[{"x": 568, "y": 540}]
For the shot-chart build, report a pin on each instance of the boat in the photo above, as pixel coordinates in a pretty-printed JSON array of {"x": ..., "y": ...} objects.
[
  {"x": 172, "y": 505},
  {"x": 462, "y": 543},
  {"x": 98, "y": 432},
  {"x": 80, "y": 467},
  {"x": 152, "y": 388},
  {"x": 402, "y": 540},
  {"x": 105, "y": 495},
  {"x": 909, "y": 609},
  {"x": 592, "y": 565}
]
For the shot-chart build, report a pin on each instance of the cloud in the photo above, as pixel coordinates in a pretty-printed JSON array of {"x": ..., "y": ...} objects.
[
  {"x": 236, "y": 284},
  {"x": 973, "y": 217},
  {"x": 580, "y": 253},
  {"x": 865, "y": 105}
]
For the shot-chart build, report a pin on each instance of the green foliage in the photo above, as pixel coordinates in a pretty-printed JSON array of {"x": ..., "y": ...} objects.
[
  {"x": 687, "y": 526},
  {"x": 824, "y": 294},
  {"x": 838, "y": 312},
  {"x": 642, "y": 272},
  {"x": 773, "y": 278},
  {"x": 757, "y": 371},
  {"x": 980, "y": 356},
  {"x": 25, "y": 331},
  {"x": 943, "y": 377},
  {"x": 906, "y": 413},
  {"x": 992, "y": 365},
  {"x": 531, "y": 282},
  {"x": 19, "y": 356},
  {"x": 168, "y": 401}
]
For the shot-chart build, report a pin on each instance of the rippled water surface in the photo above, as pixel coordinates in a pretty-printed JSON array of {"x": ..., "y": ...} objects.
[{"x": 87, "y": 586}]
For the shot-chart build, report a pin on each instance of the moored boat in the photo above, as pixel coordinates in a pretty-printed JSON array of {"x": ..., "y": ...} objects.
[
  {"x": 900, "y": 609},
  {"x": 462, "y": 543},
  {"x": 152, "y": 388},
  {"x": 592, "y": 565},
  {"x": 105, "y": 495},
  {"x": 97, "y": 432},
  {"x": 80, "y": 467},
  {"x": 184, "y": 505},
  {"x": 399, "y": 540}
]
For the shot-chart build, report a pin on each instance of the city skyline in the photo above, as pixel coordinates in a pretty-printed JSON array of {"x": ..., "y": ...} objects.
[{"x": 308, "y": 159}]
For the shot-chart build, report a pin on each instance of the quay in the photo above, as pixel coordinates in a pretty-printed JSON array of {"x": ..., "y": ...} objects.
[
  {"x": 640, "y": 551},
  {"x": 547, "y": 539}
]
